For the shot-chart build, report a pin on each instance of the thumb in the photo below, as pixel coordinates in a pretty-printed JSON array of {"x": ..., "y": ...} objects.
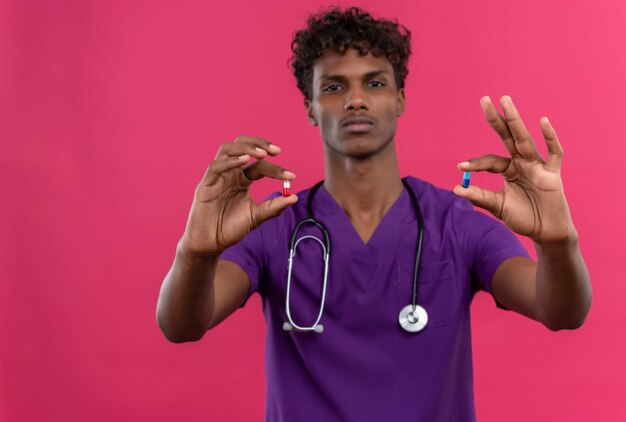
[
  {"x": 271, "y": 208},
  {"x": 480, "y": 197}
]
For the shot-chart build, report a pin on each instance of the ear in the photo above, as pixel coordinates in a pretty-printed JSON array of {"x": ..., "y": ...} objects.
[
  {"x": 309, "y": 112},
  {"x": 401, "y": 102}
]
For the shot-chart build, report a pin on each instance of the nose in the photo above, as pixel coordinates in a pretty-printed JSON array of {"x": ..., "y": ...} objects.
[{"x": 356, "y": 100}]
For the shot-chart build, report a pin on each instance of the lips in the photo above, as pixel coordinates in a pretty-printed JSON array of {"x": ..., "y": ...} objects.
[{"x": 357, "y": 124}]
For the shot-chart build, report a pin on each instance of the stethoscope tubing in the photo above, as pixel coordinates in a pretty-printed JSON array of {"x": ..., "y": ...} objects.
[
  {"x": 412, "y": 318},
  {"x": 420, "y": 239},
  {"x": 292, "y": 253}
]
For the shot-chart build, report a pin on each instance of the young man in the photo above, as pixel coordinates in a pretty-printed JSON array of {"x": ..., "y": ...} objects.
[{"x": 363, "y": 365}]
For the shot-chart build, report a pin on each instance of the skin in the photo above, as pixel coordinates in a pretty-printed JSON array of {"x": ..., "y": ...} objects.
[
  {"x": 361, "y": 169},
  {"x": 361, "y": 174},
  {"x": 200, "y": 291},
  {"x": 557, "y": 289}
]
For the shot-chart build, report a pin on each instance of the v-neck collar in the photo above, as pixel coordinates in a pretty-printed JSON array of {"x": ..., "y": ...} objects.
[{"x": 366, "y": 256}]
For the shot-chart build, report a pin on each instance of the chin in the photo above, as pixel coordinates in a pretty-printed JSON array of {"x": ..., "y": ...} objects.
[
  {"x": 360, "y": 152},
  {"x": 358, "y": 146},
  {"x": 367, "y": 149}
]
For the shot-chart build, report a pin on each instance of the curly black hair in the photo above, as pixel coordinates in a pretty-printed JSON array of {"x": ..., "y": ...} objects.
[{"x": 337, "y": 30}]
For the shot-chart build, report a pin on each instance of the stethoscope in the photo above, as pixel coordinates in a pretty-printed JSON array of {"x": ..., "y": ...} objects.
[{"x": 413, "y": 318}]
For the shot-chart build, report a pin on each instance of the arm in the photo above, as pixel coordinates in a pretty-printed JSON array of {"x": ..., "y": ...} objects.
[
  {"x": 198, "y": 294},
  {"x": 557, "y": 290},
  {"x": 200, "y": 291}
]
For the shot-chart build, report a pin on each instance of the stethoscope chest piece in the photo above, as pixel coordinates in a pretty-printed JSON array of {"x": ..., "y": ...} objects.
[{"x": 411, "y": 320}]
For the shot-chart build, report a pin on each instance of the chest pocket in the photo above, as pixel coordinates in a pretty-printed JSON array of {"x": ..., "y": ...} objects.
[{"x": 437, "y": 291}]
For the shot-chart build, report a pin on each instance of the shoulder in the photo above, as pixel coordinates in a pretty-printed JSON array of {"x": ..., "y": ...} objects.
[
  {"x": 437, "y": 199},
  {"x": 444, "y": 209}
]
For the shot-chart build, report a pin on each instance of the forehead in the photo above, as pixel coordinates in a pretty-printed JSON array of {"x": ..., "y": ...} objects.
[{"x": 350, "y": 64}]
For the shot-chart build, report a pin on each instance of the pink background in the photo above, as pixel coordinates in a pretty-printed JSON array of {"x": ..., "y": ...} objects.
[{"x": 110, "y": 112}]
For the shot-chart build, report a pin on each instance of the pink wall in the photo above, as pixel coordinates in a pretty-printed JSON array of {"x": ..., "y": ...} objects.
[{"x": 110, "y": 112}]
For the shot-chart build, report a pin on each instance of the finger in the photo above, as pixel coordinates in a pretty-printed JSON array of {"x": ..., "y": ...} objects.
[
  {"x": 271, "y": 208},
  {"x": 218, "y": 167},
  {"x": 260, "y": 169},
  {"x": 490, "y": 162},
  {"x": 232, "y": 149},
  {"x": 523, "y": 142},
  {"x": 498, "y": 124},
  {"x": 260, "y": 143},
  {"x": 555, "y": 150},
  {"x": 482, "y": 198}
]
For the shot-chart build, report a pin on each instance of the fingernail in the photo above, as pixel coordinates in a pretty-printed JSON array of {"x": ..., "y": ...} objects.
[
  {"x": 274, "y": 147},
  {"x": 288, "y": 174},
  {"x": 244, "y": 157},
  {"x": 260, "y": 150},
  {"x": 485, "y": 99},
  {"x": 463, "y": 164}
]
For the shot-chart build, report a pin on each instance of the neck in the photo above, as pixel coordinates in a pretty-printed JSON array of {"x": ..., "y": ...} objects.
[{"x": 364, "y": 188}]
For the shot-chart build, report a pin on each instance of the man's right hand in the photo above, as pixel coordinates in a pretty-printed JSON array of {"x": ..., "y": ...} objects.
[{"x": 222, "y": 212}]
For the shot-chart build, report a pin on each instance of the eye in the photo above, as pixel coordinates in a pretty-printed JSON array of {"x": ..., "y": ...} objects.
[
  {"x": 332, "y": 88},
  {"x": 376, "y": 84}
]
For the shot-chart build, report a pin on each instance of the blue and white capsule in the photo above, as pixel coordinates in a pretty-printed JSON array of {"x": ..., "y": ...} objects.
[{"x": 466, "y": 179}]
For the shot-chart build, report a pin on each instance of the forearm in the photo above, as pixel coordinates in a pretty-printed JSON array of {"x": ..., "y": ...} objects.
[
  {"x": 186, "y": 299},
  {"x": 563, "y": 292}
]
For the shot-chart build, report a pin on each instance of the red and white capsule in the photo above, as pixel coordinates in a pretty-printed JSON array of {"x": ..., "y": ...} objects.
[{"x": 286, "y": 188}]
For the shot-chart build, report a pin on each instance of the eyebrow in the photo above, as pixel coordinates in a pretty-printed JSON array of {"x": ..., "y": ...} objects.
[{"x": 341, "y": 78}]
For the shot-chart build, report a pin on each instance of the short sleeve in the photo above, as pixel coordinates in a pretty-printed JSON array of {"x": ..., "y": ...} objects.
[
  {"x": 248, "y": 254},
  {"x": 485, "y": 242}
]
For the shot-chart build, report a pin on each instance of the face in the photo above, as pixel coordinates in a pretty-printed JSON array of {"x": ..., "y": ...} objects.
[{"x": 355, "y": 102}]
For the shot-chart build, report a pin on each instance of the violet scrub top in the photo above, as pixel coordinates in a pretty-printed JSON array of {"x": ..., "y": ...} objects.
[{"x": 364, "y": 366}]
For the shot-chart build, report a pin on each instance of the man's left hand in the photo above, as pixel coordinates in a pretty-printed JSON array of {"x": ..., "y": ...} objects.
[{"x": 532, "y": 202}]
